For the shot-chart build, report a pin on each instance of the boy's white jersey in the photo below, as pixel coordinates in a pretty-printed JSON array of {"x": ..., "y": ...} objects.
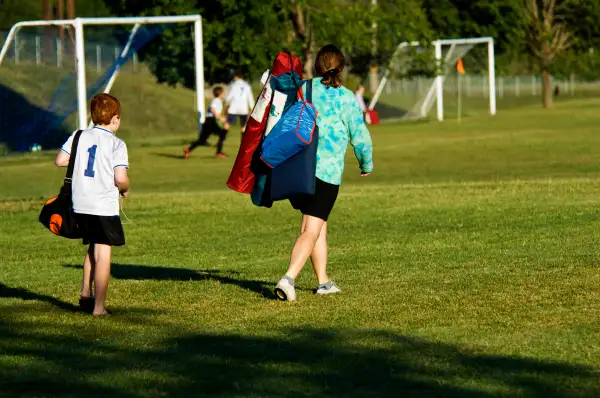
[
  {"x": 216, "y": 105},
  {"x": 98, "y": 154}
]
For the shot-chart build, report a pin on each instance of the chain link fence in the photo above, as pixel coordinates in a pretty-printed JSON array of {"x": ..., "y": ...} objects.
[{"x": 51, "y": 50}]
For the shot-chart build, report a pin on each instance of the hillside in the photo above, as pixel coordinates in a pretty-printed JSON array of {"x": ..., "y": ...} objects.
[{"x": 150, "y": 110}]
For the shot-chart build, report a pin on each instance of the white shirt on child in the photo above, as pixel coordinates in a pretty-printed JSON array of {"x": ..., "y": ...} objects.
[
  {"x": 361, "y": 101},
  {"x": 99, "y": 152},
  {"x": 217, "y": 105},
  {"x": 239, "y": 98}
]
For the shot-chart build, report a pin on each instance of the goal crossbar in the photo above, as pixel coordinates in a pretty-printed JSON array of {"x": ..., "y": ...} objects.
[{"x": 79, "y": 23}]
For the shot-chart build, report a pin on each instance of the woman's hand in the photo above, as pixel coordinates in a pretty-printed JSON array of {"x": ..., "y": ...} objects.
[{"x": 364, "y": 174}]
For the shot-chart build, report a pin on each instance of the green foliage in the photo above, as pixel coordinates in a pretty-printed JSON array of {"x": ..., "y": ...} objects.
[
  {"x": 244, "y": 35},
  {"x": 238, "y": 35},
  {"x": 349, "y": 24},
  {"x": 13, "y": 11},
  {"x": 499, "y": 19}
]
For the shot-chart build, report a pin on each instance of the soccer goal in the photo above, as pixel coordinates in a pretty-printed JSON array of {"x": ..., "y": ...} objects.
[
  {"x": 462, "y": 71},
  {"x": 50, "y": 69}
]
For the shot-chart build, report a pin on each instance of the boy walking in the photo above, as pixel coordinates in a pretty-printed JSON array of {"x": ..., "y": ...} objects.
[
  {"x": 99, "y": 176},
  {"x": 215, "y": 124}
]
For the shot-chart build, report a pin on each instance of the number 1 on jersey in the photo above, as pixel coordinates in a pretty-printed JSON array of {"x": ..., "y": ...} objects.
[{"x": 89, "y": 172}]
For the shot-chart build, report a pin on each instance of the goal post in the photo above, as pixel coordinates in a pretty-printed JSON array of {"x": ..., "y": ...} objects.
[
  {"x": 78, "y": 25},
  {"x": 446, "y": 52}
]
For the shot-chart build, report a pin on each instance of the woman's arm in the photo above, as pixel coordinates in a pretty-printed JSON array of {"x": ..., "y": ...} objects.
[{"x": 360, "y": 137}]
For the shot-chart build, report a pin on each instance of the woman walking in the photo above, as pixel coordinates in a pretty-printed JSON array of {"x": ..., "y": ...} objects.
[{"x": 340, "y": 121}]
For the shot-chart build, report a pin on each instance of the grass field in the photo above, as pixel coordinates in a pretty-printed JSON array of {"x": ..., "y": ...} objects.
[{"x": 468, "y": 263}]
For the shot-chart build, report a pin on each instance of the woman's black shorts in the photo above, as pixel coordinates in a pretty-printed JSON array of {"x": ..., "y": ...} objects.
[
  {"x": 103, "y": 230},
  {"x": 320, "y": 204}
]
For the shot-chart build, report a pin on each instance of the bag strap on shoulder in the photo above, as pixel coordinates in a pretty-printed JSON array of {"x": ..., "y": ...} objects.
[
  {"x": 309, "y": 90},
  {"x": 71, "y": 166}
]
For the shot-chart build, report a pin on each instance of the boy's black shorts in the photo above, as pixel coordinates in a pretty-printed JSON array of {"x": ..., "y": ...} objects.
[{"x": 103, "y": 230}]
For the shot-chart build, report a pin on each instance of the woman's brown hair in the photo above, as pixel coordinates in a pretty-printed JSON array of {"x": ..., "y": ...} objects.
[{"x": 329, "y": 65}]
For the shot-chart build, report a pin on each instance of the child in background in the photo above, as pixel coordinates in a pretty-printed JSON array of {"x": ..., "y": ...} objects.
[
  {"x": 240, "y": 101},
  {"x": 215, "y": 123},
  {"x": 360, "y": 98}
]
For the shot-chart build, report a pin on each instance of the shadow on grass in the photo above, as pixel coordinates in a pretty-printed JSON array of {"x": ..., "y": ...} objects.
[
  {"x": 25, "y": 294},
  {"x": 196, "y": 154},
  {"x": 168, "y": 155},
  {"x": 146, "y": 272},
  {"x": 293, "y": 362}
]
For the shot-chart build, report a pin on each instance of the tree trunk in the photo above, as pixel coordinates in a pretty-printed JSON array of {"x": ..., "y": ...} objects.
[
  {"x": 374, "y": 79},
  {"x": 304, "y": 34},
  {"x": 47, "y": 11},
  {"x": 71, "y": 13},
  {"x": 374, "y": 73},
  {"x": 60, "y": 14},
  {"x": 546, "y": 89},
  {"x": 308, "y": 49},
  {"x": 308, "y": 63}
]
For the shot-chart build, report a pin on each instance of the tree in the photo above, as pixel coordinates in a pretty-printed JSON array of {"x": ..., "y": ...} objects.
[
  {"x": 547, "y": 38},
  {"x": 238, "y": 35},
  {"x": 501, "y": 19},
  {"x": 349, "y": 25}
]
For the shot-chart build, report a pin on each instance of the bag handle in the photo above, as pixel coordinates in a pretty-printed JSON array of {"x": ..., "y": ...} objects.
[
  {"x": 309, "y": 90},
  {"x": 69, "y": 176},
  {"x": 291, "y": 72}
]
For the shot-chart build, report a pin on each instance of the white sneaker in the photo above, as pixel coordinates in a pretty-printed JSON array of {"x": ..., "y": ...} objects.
[
  {"x": 285, "y": 290},
  {"x": 328, "y": 288}
]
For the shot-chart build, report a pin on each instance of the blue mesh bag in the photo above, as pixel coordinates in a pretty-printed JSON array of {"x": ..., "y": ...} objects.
[{"x": 292, "y": 133}]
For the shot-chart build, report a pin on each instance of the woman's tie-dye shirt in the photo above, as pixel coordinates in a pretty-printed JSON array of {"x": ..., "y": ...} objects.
[{"x": 340, "y": 121}]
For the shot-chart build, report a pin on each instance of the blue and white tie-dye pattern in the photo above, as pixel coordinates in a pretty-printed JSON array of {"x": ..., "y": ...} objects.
[{"x": 340, "y": 122}]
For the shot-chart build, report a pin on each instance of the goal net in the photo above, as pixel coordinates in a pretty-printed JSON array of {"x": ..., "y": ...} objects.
[
  {"x": 49, "y": 70},
  {"x": 446, "y": 79}
]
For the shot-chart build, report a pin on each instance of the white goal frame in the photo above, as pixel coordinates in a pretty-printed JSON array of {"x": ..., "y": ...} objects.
[
  {"x": 78, "y": 25},
  {"x": 437, "y": 89}
]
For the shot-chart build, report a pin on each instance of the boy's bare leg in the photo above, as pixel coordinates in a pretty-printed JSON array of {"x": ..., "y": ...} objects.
[
  {"x": 319, "y": 256},
  {"x": 88, "y": 272},
  {"x": 305, "y": 244},
  {"x": 101, "y": 276}
]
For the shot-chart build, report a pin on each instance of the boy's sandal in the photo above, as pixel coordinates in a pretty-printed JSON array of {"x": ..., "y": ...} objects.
[{"x": 87, "y": 304}]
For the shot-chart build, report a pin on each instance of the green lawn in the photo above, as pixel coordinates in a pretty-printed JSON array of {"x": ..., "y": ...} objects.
[{"x": 468, "y": 263}]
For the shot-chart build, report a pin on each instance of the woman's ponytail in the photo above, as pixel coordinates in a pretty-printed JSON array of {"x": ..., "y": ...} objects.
[{"x": 329, "y": 65}]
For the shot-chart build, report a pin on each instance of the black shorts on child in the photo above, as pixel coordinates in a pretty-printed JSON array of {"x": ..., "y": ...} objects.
[{"x": 103, "y": 230}]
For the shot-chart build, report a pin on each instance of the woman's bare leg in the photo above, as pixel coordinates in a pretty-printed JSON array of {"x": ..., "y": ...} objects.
[
  {"x": 319, "y": 256},
  {"x": 305, "y": 244}
]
